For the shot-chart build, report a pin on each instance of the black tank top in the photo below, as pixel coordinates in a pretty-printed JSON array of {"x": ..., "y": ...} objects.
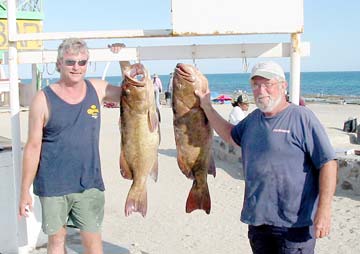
[{"x": 69, "y": 159}]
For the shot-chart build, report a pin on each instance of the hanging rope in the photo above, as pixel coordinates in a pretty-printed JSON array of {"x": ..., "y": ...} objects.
[
  {"x": 245, "y": 65},
  {"x": 93, "y": 70},
  {"x": 193, "y": 54},
  {"x": 138, "y": 59}
]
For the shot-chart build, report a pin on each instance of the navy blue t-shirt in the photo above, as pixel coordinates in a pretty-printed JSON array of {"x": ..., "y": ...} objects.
[
  {"x": 69, "y": 159},
  {"x": 282, "y": 156}
]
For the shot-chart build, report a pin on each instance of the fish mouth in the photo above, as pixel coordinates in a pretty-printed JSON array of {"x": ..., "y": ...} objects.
[
  {"x": 136, "y": 76},
  {"x": 184, "y": 72}
]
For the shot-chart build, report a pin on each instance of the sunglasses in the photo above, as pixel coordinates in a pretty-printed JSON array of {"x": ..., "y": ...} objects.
[
  {"x": 73, "y": 62},
  {"x": 267, "y": 85}
]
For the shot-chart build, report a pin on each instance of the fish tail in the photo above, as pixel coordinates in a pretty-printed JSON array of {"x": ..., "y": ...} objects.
[
  {"x": 199, "y": 198},
  {"x": 136, "y": 202}
]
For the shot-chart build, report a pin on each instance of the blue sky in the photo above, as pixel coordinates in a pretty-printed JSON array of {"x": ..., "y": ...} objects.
[{"x": 331, "y": 27}]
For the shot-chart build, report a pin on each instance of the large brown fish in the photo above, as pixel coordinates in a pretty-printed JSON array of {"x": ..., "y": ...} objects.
[
  {"x": 139, "y": 135},
  {"x": 193, "y": 135}
]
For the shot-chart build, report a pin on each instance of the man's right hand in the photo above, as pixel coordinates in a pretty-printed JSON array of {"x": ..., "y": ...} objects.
[{"x": 25, "y": 204}]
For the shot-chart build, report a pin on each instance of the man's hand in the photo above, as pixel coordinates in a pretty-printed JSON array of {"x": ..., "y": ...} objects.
[
  {"x": 205, "y": 99},
  {"x": 116, "y": 47},
  {"x": 25, "y": 205},
  {"x": 322, "y": 222}
]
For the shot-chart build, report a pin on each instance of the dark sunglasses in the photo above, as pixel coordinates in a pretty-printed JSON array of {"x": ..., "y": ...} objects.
[{"x": 73, "y": 62}]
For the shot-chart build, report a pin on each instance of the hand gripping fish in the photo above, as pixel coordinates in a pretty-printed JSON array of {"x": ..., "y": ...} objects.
[
  {"x": 193, "y": 135},
  {"x": 140, "y": 135}
]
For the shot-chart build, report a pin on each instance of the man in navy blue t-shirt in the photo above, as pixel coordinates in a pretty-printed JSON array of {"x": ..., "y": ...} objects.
[{"x": 289, "y": 166}]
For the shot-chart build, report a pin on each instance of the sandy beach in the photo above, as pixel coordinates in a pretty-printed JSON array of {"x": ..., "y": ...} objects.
[{"x": 167, "y": 228}]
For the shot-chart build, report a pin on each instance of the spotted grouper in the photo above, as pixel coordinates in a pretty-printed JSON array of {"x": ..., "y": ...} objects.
[
  {"x": 193, "y": 135},
  {"x": 140, "y": 135}
]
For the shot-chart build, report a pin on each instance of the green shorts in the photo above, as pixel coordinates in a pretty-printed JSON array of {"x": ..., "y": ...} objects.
[{"x": 83, "y": 210}]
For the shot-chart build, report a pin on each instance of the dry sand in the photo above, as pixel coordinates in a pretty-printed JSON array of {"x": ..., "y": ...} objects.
[{"x": 168, "y": 229}]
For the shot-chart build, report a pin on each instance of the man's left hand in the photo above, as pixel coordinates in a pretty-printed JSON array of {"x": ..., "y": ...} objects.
[
  {"x": 116, "y": 47},
  {"x": 322, "y": 223}
]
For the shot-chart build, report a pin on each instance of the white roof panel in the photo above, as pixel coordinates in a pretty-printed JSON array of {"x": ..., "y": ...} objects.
[{"x": 208, "y": 17}]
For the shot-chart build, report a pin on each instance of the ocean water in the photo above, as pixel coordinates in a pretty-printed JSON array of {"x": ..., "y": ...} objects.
[{"x": 312, "y": 83}]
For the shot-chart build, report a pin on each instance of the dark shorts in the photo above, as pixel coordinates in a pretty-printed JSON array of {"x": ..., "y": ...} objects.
[
  {"x": 167, "y": 95},
  {"x": 266, "y": 239}
]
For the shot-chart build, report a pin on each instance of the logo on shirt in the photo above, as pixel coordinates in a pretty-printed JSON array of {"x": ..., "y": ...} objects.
[
  {"x": 93, "y": 111},
  {"x": 281, "y": 130}
]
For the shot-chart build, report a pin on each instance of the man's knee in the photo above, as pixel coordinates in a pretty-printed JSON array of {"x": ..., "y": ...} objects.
[
  {"x": 91, "y": 242},
  {"x": 56, "y": 242}
]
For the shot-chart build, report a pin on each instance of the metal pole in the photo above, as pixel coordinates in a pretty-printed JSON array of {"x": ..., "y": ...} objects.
[
  {"x": 295, "y": 69},
  {"x": 19, "y": 235},
  {"x": 105, "y": 70}
]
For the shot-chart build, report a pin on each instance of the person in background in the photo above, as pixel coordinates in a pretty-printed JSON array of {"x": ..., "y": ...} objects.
[
  {"x": 61, "y": 156},
  {"x": 168, "y": 92},
  {"x": 157, "y": 89},
  {"x": 289, "y": 166},
  {"x": 240, "y": 106},
  {"x": 301, "y": 100}
]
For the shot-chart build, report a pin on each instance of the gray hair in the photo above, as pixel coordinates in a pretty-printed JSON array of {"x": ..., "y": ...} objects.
[{"x": 73, "y": 46}]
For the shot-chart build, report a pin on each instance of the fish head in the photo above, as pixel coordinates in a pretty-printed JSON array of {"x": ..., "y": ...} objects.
[
  {"x": 188, "y": 74},
  {"x": 137, "y": 88},
  {"x": 187, "y": 78}
]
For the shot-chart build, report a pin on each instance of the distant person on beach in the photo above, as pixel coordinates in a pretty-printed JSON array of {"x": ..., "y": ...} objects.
[
  {"x": 240, "y": 106},
  {"x": 61, "y": 156},
  {"x": 157, "y": 89},
  {"x": 169, "y": 89},
  {"x": 301, "y": 99},
  {"x": 289, "y": 166}
]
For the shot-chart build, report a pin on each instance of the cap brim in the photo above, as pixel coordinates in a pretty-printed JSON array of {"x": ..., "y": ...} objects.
[{"x": 265, "y": 74}]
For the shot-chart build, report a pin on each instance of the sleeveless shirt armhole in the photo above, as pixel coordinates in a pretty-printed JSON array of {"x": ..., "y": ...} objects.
[
  {"x": 48, "y": 104},
  {"x": 88, "y": 84}
]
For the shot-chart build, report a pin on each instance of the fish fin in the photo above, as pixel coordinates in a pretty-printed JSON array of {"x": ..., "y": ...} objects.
[
  {"x": 124, "y": 167},
  {"x": 184, "y": 169},
  {"x": 199, "y": 198},
  {"x": 119, "y": 123},
  {"x": 212, "y": 167},
  {"x": 153, "y": 120},
  {"x": 158, "y": 114},
  {"x": 154, "y": 170},
  {"x": 159, "y": 132},
  {"x": 136, "y": 201}
]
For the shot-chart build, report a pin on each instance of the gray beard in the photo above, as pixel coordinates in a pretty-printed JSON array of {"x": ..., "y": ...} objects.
[{"x": 270, "y": 106}]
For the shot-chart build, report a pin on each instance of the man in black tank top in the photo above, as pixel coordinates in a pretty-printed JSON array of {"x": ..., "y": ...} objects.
[{"x": 61, "y": 156}]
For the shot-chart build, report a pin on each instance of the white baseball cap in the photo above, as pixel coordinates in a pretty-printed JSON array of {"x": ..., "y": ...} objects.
[{"x": 268, "y": 70}]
